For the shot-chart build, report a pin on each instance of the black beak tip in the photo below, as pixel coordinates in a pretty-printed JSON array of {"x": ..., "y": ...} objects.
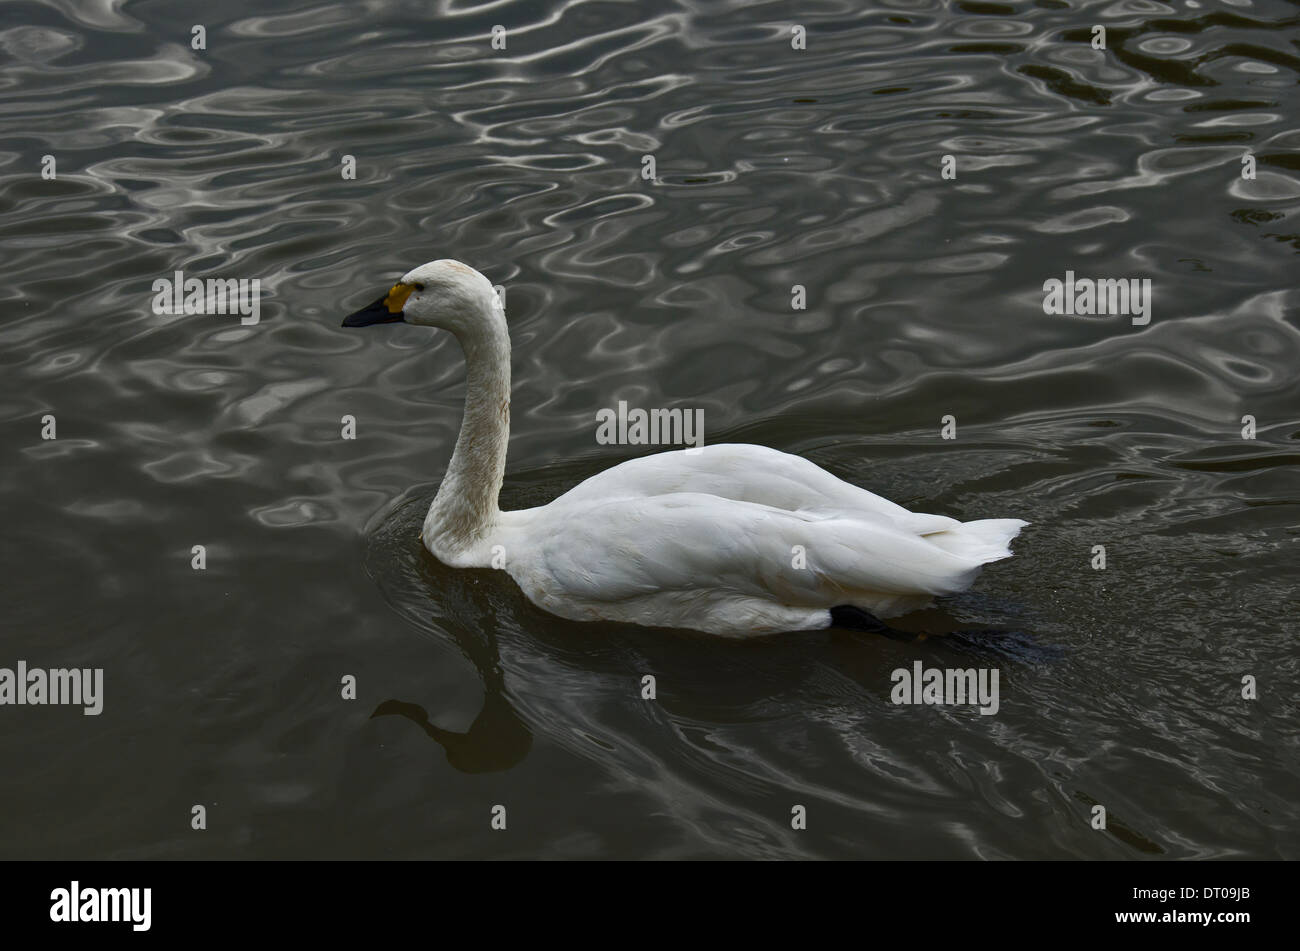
[{"x": 376, "y": 313}]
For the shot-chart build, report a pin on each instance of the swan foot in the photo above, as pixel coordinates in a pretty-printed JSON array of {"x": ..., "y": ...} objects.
[
  {"x": 852, "y": 618},
  {"x": 989, "y": 642}
]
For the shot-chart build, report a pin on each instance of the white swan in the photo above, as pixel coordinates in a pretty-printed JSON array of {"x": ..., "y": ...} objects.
[{"x": 708, "y": 539}]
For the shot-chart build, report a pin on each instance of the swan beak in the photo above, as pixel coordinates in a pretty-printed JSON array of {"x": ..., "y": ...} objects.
[{"x": 386, "y": 310}]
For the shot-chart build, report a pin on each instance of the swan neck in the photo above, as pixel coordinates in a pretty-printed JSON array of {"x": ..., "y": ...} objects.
[{"x": 466, "y": 507}]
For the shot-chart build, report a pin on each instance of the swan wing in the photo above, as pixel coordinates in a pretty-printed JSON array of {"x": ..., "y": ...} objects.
[
  {"x": 571, "y": 552},
  {"x": 746, "y": 473}
]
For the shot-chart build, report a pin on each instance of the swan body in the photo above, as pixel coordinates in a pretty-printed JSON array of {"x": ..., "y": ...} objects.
[{"x": 730, "y": 539}]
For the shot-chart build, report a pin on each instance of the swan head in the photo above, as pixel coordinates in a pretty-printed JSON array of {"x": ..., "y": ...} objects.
[{"x": 444, "y": 293}]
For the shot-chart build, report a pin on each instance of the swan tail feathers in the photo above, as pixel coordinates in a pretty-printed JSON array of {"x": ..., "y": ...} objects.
[{"x": 981, "y": 541}]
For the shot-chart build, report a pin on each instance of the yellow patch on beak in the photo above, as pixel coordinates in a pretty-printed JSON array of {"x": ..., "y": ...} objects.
[{"x": 396, "y": 298}]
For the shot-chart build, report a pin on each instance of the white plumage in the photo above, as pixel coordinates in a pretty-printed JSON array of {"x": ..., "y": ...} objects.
[{"x": 735, "y": 540}]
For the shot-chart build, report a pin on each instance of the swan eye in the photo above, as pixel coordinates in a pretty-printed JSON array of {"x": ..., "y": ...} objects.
[{"x": 419, "y": 287}]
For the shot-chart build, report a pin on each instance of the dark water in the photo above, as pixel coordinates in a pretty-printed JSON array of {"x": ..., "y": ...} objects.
[{"x": 820, "y": 167}]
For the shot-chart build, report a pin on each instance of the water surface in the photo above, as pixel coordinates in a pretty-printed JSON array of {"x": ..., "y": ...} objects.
[{"x": 774, "y": 167}]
